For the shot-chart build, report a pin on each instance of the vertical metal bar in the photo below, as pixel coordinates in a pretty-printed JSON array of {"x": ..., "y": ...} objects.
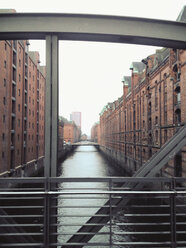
[
  {"x": 47, "y": 159},
  {"x": 51, "y": 129},
  {"x": 173, "y": 216},
  {"x": 51, "y": 110},
  {"x": 110, "y": 212},
  {"x": 54, "y": 136},
  {"x": 48, "y": 107},
  {"x": 54, "y": 113}
]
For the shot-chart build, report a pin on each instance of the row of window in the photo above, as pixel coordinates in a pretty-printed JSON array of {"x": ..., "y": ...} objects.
[
  {"x": 18, "y": 152},
  {"x": 29, "y": 136}
]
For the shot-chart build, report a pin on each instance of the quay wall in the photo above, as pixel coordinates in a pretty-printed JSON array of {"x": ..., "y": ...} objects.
[{"x": 118, "y": 159}]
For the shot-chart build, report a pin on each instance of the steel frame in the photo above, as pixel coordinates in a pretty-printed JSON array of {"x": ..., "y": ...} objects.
[
  {"x": 54, "y": 27},
  {"x": 164, "y": 188},
  {"x": 93, "y": 28}
]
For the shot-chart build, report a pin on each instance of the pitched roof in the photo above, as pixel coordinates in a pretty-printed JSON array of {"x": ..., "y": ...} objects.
[
  {"x": 127, "y": 81},
  {"x": 161, "y": 55},
  {"x": 137, "y": 67}
]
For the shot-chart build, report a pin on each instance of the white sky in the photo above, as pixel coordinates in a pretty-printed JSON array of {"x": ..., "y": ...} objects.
[{"x": 90, "y": 73}]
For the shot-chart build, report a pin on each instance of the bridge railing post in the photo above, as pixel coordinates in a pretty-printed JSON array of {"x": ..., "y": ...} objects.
[
  {"x": 51, "y": 131},
  {"x": 173, "y": 214}
]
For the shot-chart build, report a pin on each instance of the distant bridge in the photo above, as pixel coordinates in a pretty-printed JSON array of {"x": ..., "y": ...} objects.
[{"x": 85, "y": 143}]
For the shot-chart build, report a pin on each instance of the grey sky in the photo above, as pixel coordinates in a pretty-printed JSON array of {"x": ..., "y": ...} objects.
[{"x": 90, "y": 73}]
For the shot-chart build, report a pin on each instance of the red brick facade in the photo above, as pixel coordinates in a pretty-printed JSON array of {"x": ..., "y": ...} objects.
[
  {"x": 151, "y": 110},
  {"x": 71, "y": 132},
  {"x": 95, "y": 133},
  {"x": 22, "y": 87}
]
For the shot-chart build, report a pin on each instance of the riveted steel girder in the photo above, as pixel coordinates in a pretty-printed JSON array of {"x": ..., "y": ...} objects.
[{"x": 93, "y": 28}]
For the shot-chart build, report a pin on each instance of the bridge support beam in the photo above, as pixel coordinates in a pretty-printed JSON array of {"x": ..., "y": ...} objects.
[
  {"x": 51, "y": 110},
  {"x": 51, "y": 132}
]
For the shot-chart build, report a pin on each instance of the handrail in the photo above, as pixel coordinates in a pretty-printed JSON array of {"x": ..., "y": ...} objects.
[{"x": 69, "y": 210}]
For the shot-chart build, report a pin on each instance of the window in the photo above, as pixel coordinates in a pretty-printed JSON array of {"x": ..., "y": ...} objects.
[
  {"x": 3, "y": 154},
  {"x": 178, "y": 98},
  {"x": 143, "y": 105},
  {"x": 33, "y": 101},
  {"x": 29, "y": 74},
  {"x": 18, "y": 137},
  {"x": 19, "y": 49},
  {"x": 29, "y": 136},
  {"x": 5, "y": 46},
  {"x": 18, "y": 122},
  {"x": 33, "y": 77},
  {"x": 4, "y": 100},
  {"x": 156, "y": 96},
  {"x": 4, "y": 118},
  {"x": 19, "y": 63},
  {"x": 165, "y": 135},
  {"x": 3, "y": 136},
  {"x": 29, "y": 112},
  {"x": 19, "y": 92},
  {"x": 4, "y": 82},
  {"x": 19, "y": 78},
  {"x": 4, "y": 63},
  {"x": 156, "y": 120},
  {"x": 156, "y": 136},
  {"x": 29, "y": 86},
  {"x": 18, "y": 152},
  {"x": 29, "y": 99}
]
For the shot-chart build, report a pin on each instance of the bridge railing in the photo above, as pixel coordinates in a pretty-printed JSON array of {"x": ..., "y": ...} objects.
[{"x": 40, "y": 212}]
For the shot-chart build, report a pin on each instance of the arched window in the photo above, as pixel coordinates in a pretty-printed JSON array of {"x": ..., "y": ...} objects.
[{"x": 178, "y": 116}]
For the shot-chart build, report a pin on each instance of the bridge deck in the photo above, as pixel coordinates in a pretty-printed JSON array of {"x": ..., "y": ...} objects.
[{"x": 85, "y": 143}]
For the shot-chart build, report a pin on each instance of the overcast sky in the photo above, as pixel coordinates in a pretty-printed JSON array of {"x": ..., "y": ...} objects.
[{"x": 90, "y": 73}]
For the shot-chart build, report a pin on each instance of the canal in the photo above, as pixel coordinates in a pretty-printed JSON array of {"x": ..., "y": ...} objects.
[
  {"x": 86, "y": 161},
  {"x": 144, "y": 215}
]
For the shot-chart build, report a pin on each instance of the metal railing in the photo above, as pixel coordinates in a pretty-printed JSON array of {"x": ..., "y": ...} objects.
[{"x": 55, "y": 212}]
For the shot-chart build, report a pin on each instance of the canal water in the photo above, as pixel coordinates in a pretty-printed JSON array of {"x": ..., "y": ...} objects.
[{"x": 86, "y": 161}]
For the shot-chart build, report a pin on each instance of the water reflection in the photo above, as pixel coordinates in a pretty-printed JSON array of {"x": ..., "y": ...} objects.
[{"x": 85, "y": 162}]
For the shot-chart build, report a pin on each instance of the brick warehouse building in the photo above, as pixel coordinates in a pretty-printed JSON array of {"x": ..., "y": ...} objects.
[
  {"x": 71, "y": 132},
  {"x": 22, "y": 90},
  {"x": 151, "y": 110}
]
